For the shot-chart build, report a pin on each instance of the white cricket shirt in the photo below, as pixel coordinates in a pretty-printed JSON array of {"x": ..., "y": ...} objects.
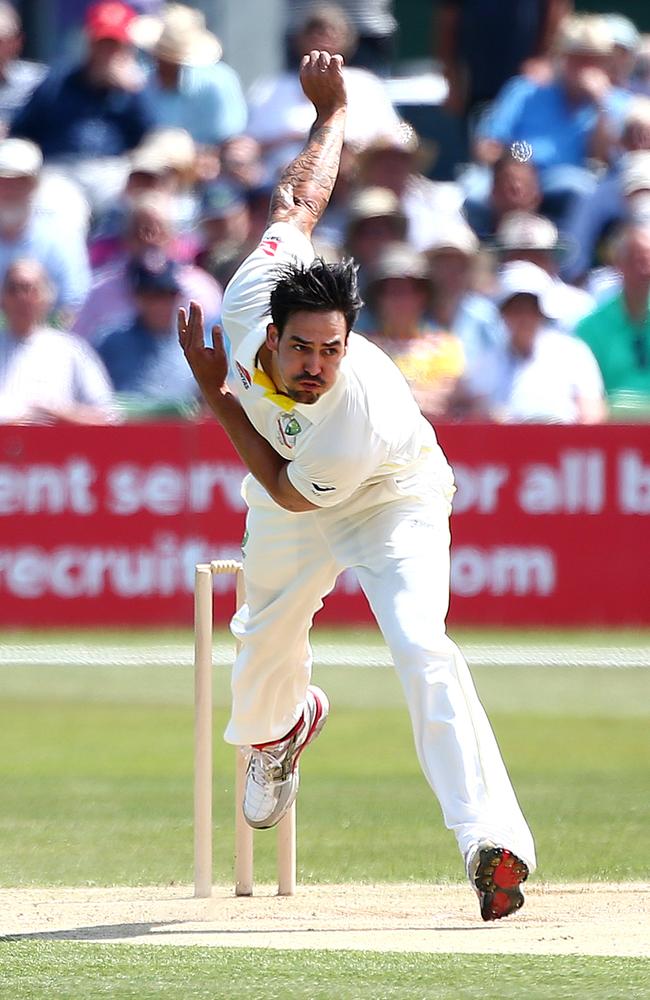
[{"x": 364, "y": 433}]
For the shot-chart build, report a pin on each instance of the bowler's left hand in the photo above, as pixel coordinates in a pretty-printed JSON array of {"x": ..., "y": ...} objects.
[{"x": 209, "y": 364}]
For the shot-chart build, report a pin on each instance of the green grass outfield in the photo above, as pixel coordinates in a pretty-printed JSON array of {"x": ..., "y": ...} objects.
[
  {"x": 145, "y": 972},
  {"x": 96, "y": 789}
]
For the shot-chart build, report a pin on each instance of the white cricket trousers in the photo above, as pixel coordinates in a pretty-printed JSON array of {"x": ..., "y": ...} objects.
[{"x": 400, "y": 551}]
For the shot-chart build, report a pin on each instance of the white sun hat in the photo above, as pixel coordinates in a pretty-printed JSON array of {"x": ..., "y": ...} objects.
[
  {"x": 453, "y": 234},
  {"x": 180, "y": 36},
  {"x": 520, "y": 277},
  {"x": 20, "y": 158}
]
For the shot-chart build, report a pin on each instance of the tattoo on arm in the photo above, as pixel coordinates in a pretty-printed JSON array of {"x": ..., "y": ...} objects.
[{"x": 305, "y": 187}]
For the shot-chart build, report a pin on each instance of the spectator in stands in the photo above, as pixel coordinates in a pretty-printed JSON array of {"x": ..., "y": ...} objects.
[
  {"x": 375, "y": 219},
  {"x": 578, "y": 114},
  {"x": 515, "y": 188},
  {"x": 640, "y": 81},
  {"x": 18, "y": 78},
  {"x": 484, "y": 43},
  {"x": 281, "y": 115},
  {"x": 165, "y": 163},
  {"x": 373, "y": 22},
  {"x": 87, "y": 117},
  {"x": 144, "y": 360},
  {"x": 149, "y": 237},
  {"x": 594, "y": 218},
  {"x": 618, "y": 332},
  {"x": 394, "y": 160},
  {"x": 398, "y": 296},
  {"x": 539, "y": 375},
  {"x": 226, "y": 230},
  {"x": 27, "y": 232},
  {"x": 625, "y": 42},
  {"x": 455, "y": 306},
  {"x": 241, "y": 162},
  {"x": 190, "y": 87},
  {"x": 524, "y": 236},
  {"x": 331, "y": 229},
  {"x": 605, "y": 281},
  {"x": 46, "y": 375}
]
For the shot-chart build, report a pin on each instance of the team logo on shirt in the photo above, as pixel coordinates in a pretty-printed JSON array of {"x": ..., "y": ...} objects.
[
  {"x": 288, "y": 428},
  {"x": 244, "y": 375},
  {"x": 270, "y": 245},
  {"x": 322, "y": 489}
]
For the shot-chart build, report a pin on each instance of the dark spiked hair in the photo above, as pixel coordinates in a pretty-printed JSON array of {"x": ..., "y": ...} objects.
[{"x": 316, "y": 287}]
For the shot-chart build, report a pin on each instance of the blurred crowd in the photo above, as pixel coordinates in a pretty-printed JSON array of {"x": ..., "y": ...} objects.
[{"x": 139, "y": 177}]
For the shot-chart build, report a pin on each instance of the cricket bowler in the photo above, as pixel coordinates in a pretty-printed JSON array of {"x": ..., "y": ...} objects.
[{"x": 344, "y": 472}]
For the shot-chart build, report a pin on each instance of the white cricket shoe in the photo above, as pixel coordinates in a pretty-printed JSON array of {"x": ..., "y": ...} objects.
[{"x": 272, "y": 776}]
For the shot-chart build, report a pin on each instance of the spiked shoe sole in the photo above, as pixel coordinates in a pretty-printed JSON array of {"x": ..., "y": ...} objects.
[{"x": 498, "y": 878}]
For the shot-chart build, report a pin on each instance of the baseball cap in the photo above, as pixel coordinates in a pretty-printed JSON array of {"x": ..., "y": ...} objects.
[
  {"x": 402, "y": 139},
  {"x": 19, "y": 158},
  {"x": 585, "y": 33},
  {"x": 639, "y": 214},
  {"x": 526, "y": 231},
  {"x": 109, "y": 19},
  {"x": 635, "y": 171},
  {"x": 158, "y": 276},
  {"x": 399, "y": 260},
  {"x": 145, "y": 160},
  {"x": 453, "y": 234},
  {"x": 520, "y": 277},
  {"x": 169, "y": 148},
  {"x": 221, "y": 199},
  {"x": 372, "y": 203},
  {"x": 623, "y": 31}
]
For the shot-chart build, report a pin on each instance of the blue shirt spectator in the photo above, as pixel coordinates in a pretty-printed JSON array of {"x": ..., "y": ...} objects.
[
  {"x": 596, "y": 216},
  {"x": 455, "y": 307},
  {"x": 189, "y": 87},
  {"x": 17, "y": 78},
  {"x": 65, "y": 260},
  {"x": 92, "y": 110},
  {"x": 69, "y": 116},
  {"x": 207, "y": 102},
  {"x": 557, "y": 130},
  {"x": 477, "y": 325},
  {"x": 29, "y": 231},
  {"x": 144, "y": 359},
  {"x": 576, "y": 114}
]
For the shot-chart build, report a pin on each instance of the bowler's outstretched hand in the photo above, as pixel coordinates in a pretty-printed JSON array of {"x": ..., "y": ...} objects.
[
  {"x": 321, "y": 77},
  {"x": 209, "y": 364}
]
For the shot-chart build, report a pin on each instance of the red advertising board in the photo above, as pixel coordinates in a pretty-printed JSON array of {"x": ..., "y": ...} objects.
[{"x": 103, "y": 525}]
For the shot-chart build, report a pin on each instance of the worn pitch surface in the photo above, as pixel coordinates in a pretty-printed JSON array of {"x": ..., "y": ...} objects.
[{"x": 572, "y": 919}]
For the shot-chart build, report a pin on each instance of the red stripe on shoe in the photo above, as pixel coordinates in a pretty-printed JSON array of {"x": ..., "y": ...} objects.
[{"x": 274, "y": 743}]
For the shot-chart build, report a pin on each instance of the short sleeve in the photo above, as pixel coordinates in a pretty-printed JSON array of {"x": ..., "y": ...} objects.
[
  {"x": 326, "y": 477},
  {"x": 92, "y": 383},
  {"x": 588, "y": 378},
  {"x": 502, "y": 119},
  {"x": 246, "y": 299}
]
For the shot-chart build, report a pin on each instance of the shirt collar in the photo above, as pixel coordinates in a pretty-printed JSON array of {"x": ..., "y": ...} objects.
[{"x": 314, "y": 412}]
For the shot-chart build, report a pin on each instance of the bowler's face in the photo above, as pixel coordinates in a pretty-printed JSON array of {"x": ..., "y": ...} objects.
[{"x": 308, "y": 354}]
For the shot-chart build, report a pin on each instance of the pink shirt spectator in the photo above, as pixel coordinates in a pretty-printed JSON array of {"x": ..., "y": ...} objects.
[{"x": 110, "y": 303}]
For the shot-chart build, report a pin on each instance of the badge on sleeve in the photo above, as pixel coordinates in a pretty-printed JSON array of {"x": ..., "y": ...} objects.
[
  {"x": 244, "y": 375},
  {"x": 270, "y": 246}
]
